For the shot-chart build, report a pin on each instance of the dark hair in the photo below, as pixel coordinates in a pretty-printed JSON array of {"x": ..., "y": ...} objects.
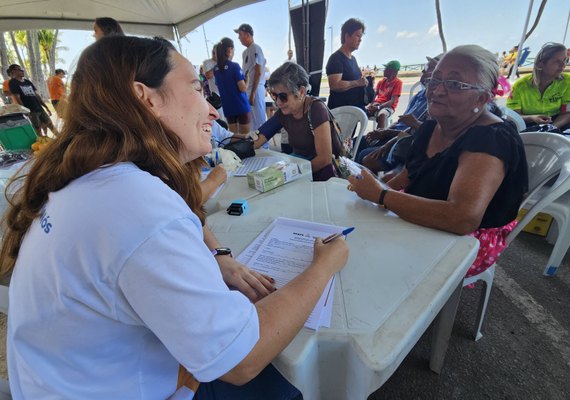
[
  {"x": 104, "y": 130},
  {"x": 109, "y": 26},
  {"x": 291, "y": 75},
  {"x": 12, "y": 68},
  {"x": 350, "y": 26},
  {"x": 59, "y": 71},
  {"x": 222, "y": 52}
]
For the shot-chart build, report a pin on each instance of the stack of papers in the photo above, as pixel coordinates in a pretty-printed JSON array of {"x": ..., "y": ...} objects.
[
  {"x": 284, "y": 250},
  {"x": 252, "y": 164}
]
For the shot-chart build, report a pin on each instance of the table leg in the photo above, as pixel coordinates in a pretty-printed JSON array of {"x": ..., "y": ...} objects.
[{"x": 442, "y": 327}]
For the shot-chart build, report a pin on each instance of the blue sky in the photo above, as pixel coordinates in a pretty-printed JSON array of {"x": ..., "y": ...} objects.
[{"x": 405, "y": 30}]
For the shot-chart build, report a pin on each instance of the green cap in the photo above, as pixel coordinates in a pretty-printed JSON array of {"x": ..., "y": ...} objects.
[{"x": 393, "y": 65}]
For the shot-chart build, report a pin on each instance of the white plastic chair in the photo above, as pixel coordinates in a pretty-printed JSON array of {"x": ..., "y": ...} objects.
[
  {"x": 548, "y": 156},
  {"x": 553, "y": 200},
  {"x": 348, "y": 117},
  {"x": 375, "y": 122},
  {"x": 515, "y": 117},
  {"x": 413, "y": 89}
]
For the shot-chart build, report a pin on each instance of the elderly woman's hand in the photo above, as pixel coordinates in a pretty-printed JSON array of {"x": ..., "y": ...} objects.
[{"x": 366, "y": 186}]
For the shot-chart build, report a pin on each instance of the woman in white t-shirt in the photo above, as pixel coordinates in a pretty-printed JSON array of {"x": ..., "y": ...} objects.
[{"x": 118, "y": 288}]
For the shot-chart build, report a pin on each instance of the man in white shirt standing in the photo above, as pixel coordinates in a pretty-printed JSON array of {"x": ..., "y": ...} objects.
[{"x": 254, "y": 69}]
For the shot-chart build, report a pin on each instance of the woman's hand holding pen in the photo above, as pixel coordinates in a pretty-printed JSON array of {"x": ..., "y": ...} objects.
[{"x": 331, "y": 256}]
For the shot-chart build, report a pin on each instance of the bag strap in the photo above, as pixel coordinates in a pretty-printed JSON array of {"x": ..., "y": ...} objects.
[{"x": 335, "y": 128}]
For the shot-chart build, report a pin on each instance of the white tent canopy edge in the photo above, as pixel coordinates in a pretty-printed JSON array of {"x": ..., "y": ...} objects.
[{"x": 163, "y": 18}]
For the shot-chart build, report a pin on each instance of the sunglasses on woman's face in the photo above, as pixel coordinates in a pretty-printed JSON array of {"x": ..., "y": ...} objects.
[
  {"x": 450, "y": 84},
  {"x": 283, "y": 97}
]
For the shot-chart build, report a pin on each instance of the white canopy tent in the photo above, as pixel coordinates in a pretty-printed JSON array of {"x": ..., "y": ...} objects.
[{"x": 170, "y": 19}]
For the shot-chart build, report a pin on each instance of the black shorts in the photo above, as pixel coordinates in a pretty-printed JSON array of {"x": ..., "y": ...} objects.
[
  {"x": 38, "y": 118},
  {"x": 241, "y": 119}
]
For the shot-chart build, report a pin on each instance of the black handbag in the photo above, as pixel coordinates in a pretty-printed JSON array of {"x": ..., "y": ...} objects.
[{"x": 243, "y": 148}]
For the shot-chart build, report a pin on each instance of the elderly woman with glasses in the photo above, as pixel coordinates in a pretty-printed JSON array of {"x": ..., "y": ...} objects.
[
  {"x": 466, "y": 172},
  {"x": 544, "y": 96},
  {"x": 305, "y": 118}
]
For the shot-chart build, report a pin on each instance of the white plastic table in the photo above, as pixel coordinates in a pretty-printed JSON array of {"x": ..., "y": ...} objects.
[
  {"x": 399, "y": 278},
  {"x": 237, "y": 188}
]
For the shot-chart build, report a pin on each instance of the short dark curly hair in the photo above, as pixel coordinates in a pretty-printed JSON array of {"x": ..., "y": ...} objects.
[{"x": 350, "y": 26}]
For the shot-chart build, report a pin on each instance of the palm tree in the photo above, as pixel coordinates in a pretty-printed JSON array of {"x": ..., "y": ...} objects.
[
  {"x": 34, "y": 57},
  {"x": 16, "y": 48},
  {"x": 440, "y": 26},
  {"x": 3, "y": 56},
  {"x": 48, "y": 45}
]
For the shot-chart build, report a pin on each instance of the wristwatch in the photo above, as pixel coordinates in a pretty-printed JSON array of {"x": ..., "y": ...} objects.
[{"x": 222, "y": 251}]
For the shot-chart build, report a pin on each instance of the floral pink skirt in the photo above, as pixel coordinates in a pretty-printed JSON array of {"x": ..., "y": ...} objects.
[{"x": 492, "y": 242}]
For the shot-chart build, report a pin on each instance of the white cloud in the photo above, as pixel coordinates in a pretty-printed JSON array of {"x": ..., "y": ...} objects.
[
  {"x": 406, "y": 34},
  {"x": 379, "y": 45},
  {"x": 382, "y": 29},
  {"x": 432, "y": 31}
]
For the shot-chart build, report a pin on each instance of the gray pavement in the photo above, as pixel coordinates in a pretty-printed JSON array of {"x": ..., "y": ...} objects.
[{"x": 525, "y": 349}]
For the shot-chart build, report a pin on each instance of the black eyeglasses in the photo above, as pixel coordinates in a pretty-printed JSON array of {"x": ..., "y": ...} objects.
[
  {"x": 283, "y": 97},
  {"x": 450, "y": 84}
]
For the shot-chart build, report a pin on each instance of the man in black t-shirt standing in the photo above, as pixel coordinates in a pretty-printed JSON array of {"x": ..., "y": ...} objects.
[
  {"x": 346, "y": 81},
  {"x": 24, "y": 93}
]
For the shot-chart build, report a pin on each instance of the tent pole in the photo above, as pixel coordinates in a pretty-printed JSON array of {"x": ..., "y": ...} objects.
[
  {"x": 177, "y": 38},
  {"x": 206, "y": 41},
  {"x": 566, "y": 30},
  {"x": 308, "y": 37},
  {"x": 290, "y": 28},
  {"x": 515, "y": 67}
]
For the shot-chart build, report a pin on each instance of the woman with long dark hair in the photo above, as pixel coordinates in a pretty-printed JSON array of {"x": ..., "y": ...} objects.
[{"x": 118, "y": 289}]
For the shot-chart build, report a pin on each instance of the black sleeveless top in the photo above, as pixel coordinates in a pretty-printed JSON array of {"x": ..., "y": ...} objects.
[{"x": 432, "y": 177}]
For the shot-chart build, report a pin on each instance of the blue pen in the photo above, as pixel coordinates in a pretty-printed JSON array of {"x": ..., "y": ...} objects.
[
  {"x": 217, "y": 157},
  {"x": 337, "y": 235}
]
